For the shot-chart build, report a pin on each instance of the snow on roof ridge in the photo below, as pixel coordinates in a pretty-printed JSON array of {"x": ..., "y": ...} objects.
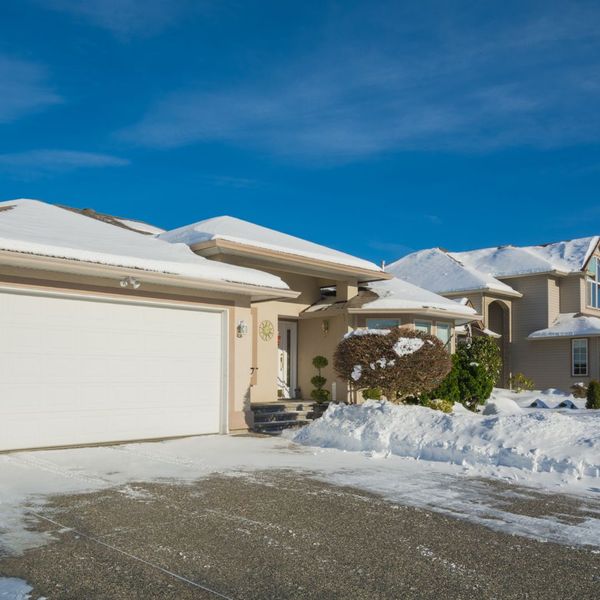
[
  {"x": 459, "y": 277},
  {"x": 43, "y": 229},
  {"x": 252, "y": 234},
  {"x": 563, "y": 256}
]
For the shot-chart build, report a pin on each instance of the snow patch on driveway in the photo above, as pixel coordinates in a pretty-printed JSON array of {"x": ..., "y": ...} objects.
[{"x": 12, "y": 588}]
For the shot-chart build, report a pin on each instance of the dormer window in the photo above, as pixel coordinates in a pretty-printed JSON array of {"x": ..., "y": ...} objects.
[{"x": 593, "y": 283}]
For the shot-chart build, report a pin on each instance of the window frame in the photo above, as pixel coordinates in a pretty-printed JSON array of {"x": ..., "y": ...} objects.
[
  {"x": 587, "y": 357},
  {"x": 592, "y": 284},
  {"x": 430, "y": 323},
  {"x": 397, "y": 321}
]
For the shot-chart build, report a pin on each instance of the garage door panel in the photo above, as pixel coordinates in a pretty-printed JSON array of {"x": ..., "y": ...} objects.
[{"x": 75, "y": 371}]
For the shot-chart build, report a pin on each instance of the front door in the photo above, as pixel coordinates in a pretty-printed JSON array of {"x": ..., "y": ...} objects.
[{"x": 287, "y": 342}]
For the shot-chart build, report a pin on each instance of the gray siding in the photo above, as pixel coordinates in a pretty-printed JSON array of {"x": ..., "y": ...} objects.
[{"x": 571, "y": 294}]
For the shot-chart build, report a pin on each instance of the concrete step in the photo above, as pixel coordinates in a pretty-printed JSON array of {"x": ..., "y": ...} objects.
[
  {"x": 276, "y": 427},
  {"x": 271, "y": 417}
]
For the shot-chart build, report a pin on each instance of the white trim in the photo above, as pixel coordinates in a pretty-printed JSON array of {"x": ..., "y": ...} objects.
[
  {"x": 587, "y": 357},
  {"x": 293, "y": 327},
  {"x": 108, "y": 297},
  {"x": 224, "y": 399}
]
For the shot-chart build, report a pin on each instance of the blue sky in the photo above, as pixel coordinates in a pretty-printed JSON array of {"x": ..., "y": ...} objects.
[{"x": 375, "y": 128}]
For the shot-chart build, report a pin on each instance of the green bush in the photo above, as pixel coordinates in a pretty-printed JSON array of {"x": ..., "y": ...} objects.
[
  {"x": 319, "y": 394},
  {"x": 476, "y": 367},
  {"x": 593, "y": 395},
  {"x": 521, "y": 383},
  {"x": 372, "y": 394},
  {"x": 437, "y": 404}
]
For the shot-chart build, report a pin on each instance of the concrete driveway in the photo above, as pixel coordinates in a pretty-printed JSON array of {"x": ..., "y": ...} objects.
[{"x": 280, "y": 532}]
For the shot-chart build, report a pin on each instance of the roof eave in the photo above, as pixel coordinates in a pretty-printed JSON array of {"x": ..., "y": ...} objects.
[
  {"x": 429, "y": 311},
  {"x": 215, "y": 246},
  {"x": 484, "y": 290},
  {"x": 62, "y": 265}
]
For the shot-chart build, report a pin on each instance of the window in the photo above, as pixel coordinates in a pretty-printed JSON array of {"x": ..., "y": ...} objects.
[
  {"x": 423, "y": 326},
  {"x": 382, "y": 323},
  {"x": 579, "y": 353},
  {"x": 593, "y": 283},
  {"x": 443, "y": 333}
]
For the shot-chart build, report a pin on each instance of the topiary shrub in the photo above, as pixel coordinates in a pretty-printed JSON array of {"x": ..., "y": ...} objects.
[
  {"x": 593, "y": 395},
  {"x": 475, "y": 369},
  {"x": 319, "y": 394},
  {"x": 401, "y": 363},
  {"x": 520, "y": 383}
]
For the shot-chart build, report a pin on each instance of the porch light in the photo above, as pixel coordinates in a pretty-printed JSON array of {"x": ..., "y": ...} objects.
[{"x": 242, "y": 329}]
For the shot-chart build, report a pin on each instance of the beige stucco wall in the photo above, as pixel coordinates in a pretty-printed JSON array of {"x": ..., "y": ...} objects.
[{"x": 313, "y": 340}]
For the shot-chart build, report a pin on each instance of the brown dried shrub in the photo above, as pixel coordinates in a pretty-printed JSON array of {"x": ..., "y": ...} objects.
[{"x": 370, "y": 360}]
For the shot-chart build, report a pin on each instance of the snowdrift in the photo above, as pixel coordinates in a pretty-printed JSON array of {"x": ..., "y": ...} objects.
[{"x": 530, "y": 441}]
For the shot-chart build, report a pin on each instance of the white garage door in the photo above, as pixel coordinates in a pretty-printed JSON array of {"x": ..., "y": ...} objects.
[{"x": 76, "y": 371}]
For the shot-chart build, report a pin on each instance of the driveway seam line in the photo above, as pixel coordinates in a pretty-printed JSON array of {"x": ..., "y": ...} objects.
[{"x": 133, "y": 556}]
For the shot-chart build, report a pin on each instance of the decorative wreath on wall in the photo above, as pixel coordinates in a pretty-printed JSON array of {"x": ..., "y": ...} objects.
[{"x": 266, "y": 330}]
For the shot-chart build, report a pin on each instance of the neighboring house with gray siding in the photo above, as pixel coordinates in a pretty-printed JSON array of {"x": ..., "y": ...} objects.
[{"x": 544, "y": 301}]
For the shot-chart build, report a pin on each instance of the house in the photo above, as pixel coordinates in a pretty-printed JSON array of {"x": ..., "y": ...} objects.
[
  {"x": 112, "y": 331},
  {"x": 338, "y": 293},
  {"x": 541, "y": 302}
]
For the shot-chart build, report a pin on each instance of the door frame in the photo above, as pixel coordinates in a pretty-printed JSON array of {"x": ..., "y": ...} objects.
[
  {"x": 152, "y": 302},
  {"x": 292, "y": 325}
]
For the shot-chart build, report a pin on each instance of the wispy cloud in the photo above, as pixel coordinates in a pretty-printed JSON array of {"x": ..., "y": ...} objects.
[
  {"x": 124, "y": 18},
  {"x": 531, "y": 81},
  {"x": 33, "y": 163},
  {"x": 24, "y": 89}
]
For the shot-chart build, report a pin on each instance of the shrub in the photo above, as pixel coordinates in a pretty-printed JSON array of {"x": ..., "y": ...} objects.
[
  {"x": 593, "y": 395},
  {"x": 579, "y": 390},
  {"x": 372, "y": 394},
  {"x": 319, "y": 393},
  {"x": 437, "y": 404},
  {"x": 401, "y": 363},
  {"x": 520, "y": 383},
  {"x": 475, "y": 369}
]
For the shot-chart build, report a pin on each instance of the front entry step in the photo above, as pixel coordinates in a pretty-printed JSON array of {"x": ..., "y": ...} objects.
[{"x": 273, "y": 417}]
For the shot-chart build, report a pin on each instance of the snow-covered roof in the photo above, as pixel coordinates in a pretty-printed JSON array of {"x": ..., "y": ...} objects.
[
  {"x": 569, "y": 325},
  {"x": 439, "y": 271},
  {"x": 509, "y": 261},
  {"x": 34, "y": 227},
  {"x": 250, "y": 234},
  {"x": 396, "y": 294},
  {"x": 140, "y": 226},
  {"x": 453, "y": 272}
]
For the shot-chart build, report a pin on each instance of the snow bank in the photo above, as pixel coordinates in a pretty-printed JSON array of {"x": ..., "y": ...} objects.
[{"x": 529, "y": 441}]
